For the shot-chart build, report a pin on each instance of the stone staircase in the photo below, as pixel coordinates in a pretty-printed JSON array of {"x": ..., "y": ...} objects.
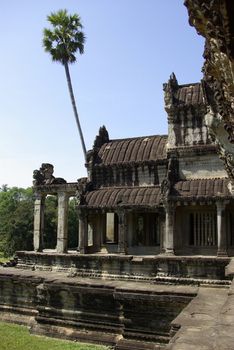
[{"x": 207, "y": 323}]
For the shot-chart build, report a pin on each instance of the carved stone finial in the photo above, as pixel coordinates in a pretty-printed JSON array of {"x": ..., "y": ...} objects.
[
  {"x": 172, "y": 84},
  {"x": 44, "y": 176},
  {"x": 47, "y": 171},
  {"x": 169, "y": 89},
  {"x": 101, "y": 138},
  {"x": 173, "y": 81}
]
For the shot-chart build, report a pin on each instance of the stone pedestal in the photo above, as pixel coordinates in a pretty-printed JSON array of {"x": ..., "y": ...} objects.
[
  {"x": 62, "y": 222},
  {"x": 221, "y": 232},
  {"x": 39, "y": 209}
]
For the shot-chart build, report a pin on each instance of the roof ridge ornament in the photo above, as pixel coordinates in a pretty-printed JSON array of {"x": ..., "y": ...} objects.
[
  {"x": 169, "y": 89},
  {"x": 101, "y": 138},
  {"x": 44, "y": 176}
]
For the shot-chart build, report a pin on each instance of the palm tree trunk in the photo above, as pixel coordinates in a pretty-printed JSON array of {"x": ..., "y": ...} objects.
[{"x": 74, "y": 108}]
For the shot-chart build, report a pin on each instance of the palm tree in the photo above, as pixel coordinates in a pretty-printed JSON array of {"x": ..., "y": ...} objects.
[{"x": 62, "y": 42}]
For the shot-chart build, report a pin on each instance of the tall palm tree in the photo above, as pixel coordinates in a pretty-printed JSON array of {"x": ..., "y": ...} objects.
[{"x": 62, "y": 42}]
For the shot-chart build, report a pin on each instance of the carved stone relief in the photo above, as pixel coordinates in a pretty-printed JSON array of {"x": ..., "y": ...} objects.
[{"x": 44, "y": 176}]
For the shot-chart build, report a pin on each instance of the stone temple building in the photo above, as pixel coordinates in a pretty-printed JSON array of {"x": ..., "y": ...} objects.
[
  {"x": 154, "y": 265},
  {"x": 153, "y": 194},
  {"x": 155, "y": 217}
]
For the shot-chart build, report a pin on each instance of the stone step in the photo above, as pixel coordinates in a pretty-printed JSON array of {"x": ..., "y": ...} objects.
[{"x": 207, "y": 323}]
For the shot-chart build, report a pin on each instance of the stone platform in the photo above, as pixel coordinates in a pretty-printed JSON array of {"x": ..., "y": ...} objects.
[
  {"x": 159, "y": 268},
  {"x": 128, "y": 315},
  {"x": 128, "y": 302}
]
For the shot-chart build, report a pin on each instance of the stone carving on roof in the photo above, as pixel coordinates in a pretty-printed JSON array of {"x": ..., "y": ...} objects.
[
  {"x": 169, "y": 89},
  {"x": 214, "y": 20},
  {"x": 101, "y": 138},
  {"x": 44, "y": 176},
  {"x": 92, "y": 155},
  {"x": 220, "y": 121},
  {"x": 181, "y": 96},
  {"x": 185, "y": 106},
  {"x": 171, "y": 177},
  {"x": 165, "y": 189},
  {"x": 83, "y": 186}
]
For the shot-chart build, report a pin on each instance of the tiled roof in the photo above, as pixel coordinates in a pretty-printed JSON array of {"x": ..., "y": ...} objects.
[
  {"x": 147, "y": 197},
  {"x": 112, "y": 197},
  {"x": 139, "y": 149},
  {"x": 189, "y": 94},
  {"x": 201, "y": 188}
]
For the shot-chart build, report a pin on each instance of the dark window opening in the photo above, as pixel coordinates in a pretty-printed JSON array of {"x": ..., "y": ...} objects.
[
  {"x": 146, "y": 231},
  {"x": 203, "y": 229}
]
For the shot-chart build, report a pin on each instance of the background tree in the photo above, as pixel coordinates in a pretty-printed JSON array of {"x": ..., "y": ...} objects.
[
  {"x": 16, "y": 221},
  {"x": 51, "y": 216},
  {"x": 73, "y": 224},
  {"x": 62, "y": 42}
]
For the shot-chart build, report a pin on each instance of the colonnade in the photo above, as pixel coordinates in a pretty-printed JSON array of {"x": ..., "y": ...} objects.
[
  {"x": 39, "y": 221},
  {"x": 122, "y": 231},
  {"x": 167, "y": 244},
  {"x": 62, "y": 227}
]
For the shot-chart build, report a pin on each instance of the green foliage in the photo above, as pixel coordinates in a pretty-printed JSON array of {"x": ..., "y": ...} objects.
[
  {"x": 72, "y": 224},
  {"x": 14, "y": 337},
  {"x": 65, "y": 38},
  {"x": 50, "y": 236},
  {"x": 50, "y": 231},
  {"x": 2, "y": 258},
  {"x": 62, "y": 42},
  {"x": 16, "y": 221}
]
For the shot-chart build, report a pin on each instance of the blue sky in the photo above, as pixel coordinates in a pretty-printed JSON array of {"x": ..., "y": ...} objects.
[{"x": 132, "y": 48}]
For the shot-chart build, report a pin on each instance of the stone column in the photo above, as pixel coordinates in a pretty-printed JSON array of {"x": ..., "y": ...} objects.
[
  {"x": 83, "y": 231},
  {"x": 62, "y": 222},
  {"x": 168, "y": 241},
  {"x": 122, "y": 232},
  {"x": 221, "y": 232},
  {"x": 39, "y": 210}
]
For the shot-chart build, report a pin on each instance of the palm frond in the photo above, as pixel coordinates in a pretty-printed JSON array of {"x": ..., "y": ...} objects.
[{"x": 65, "y": 38}]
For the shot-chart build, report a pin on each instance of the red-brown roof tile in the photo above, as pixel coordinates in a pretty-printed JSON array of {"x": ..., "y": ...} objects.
[
  {"x": 189, "y": 94},
  {"x": 113, "y": 197},
  {"x": 140, "y": 149},
  {"x": 201, "y": 188}
]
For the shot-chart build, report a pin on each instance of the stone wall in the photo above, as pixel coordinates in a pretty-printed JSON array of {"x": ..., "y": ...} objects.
[
  {"x": 128, "y": 267},
  {"x": 145, "y": 174},
  {"x": 129, "y": 315},
  {"x": 201, "y": 166}
]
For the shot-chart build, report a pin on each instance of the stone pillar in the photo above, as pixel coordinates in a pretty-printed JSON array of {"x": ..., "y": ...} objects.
[
  {"x": 62, "y": 222},
  {"x": 39, "y": 210},
  {"x": 122, "y": 232},
  {"x": 83, "y": 231},
  {"x": 168, "y": 241},
  {"x": 221, "y": 232}
]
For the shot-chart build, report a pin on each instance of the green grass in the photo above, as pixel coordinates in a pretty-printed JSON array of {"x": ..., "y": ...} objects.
[
  {"x": 15, "y": 337},
  {"x": 2, "y": 259}
]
